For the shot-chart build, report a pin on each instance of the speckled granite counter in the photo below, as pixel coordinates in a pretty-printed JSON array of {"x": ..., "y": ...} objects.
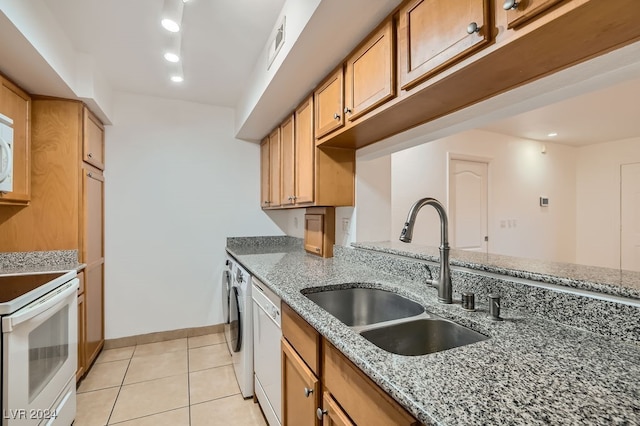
[
  {"x": 530, "y": 371},
  {"x": 603, "y": 280},
  {"x": 39, "y": 261}
]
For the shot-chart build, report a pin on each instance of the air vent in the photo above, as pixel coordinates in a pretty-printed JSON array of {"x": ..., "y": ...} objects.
[{"x": 277, "y": 40}]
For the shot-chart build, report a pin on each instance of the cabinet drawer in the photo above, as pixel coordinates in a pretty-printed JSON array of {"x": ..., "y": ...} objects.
[
  {"x": 304, "y": 338},
  {"x": 361, "y": 399}
]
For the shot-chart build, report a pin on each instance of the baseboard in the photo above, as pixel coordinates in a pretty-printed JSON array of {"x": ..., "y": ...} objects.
[{"x": 162, "y": 336}]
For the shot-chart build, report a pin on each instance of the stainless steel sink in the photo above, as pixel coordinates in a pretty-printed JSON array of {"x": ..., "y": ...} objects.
[
  {"x": 421, "y": 337},
  {"x": 364, "y": 306}
]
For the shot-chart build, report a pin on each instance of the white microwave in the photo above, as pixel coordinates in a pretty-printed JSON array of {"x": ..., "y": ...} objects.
[{"x": 6, "y": 154}]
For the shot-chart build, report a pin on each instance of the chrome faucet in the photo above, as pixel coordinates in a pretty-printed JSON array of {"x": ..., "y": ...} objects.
[{"x": 443, "y": 283}]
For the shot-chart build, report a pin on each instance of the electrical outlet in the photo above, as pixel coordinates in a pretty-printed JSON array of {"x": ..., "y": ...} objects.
[{"x": 345, "y": 224}]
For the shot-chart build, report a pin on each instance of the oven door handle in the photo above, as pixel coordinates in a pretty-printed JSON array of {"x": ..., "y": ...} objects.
[{"x": 53, "y": 299}]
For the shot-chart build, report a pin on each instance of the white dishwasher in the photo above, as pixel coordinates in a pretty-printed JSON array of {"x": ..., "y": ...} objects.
[{"x": 267, "y": 333}]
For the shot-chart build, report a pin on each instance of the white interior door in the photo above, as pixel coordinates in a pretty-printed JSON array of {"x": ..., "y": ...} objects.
[
  {"x": 630, "y": 217},
  {"x": 468, "y": 205}
]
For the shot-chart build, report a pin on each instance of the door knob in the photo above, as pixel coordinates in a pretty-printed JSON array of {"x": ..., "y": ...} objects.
[
  {"x": 473, "y": 28},
  {"x": 510, "y": 5},
  {"x": 320, "y": 413}
]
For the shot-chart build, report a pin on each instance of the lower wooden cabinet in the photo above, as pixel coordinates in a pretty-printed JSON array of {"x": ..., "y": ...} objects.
[
  {"x": 94, "y": 306},
  {"x": 332, "y": 413},
  {"x": 82, "y": 362},
  {"x": 300, "y": 390},
  {"x": 349, "y": 397}
]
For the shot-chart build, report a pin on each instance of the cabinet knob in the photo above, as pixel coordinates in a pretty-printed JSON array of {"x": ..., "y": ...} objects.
[
  {"x": 90, "y": 174},
  {"x": 290, "y": 198},
  {"x": 294, "y": 198},
  {"x": 267, "y": 202},
  {"x": 90, "y": 155},
  {"x": 347, "y": 110},
  {"x": 307, "y": 392},
  {"x": 510, "y": 5},
  {"x": 336, "y": 116},
  {"x": 473, "y": 28},
  {"x": 320, "y": 413}
]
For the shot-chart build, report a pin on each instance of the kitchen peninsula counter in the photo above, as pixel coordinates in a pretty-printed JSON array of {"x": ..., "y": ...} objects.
[{"x": 530, "y": 371}]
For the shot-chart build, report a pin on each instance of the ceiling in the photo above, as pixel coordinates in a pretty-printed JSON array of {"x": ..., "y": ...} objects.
[
  {"x": 221, "y": 40},
  {"x": 604, "y": 115}
]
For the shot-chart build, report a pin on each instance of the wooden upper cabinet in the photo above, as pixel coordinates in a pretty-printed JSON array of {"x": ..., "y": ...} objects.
[
  {"x": 274, "y": 168},
  {"x": 370, "y": 74},
  {"x": 265, "y": 173},
  {"x": 93, "y": 140},
  {"x": 520, "y": 12},
  {"x": 288, "y": 146},
  {"x": 305, "y": 153},
  {"x": 329, "y": 104},
  {"x": 433, "y": 34},
  {"x": 16, "y": 104}
]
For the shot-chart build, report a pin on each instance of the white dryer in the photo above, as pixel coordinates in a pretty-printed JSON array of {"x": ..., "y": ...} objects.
[{"x": 240, "y": 338}]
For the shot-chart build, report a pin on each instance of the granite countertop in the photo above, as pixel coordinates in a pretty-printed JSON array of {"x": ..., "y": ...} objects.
[
  {"x": 530, "y": 371},
  {"x": 615, "y": 282},
  {"x": 18, "y": 263}
]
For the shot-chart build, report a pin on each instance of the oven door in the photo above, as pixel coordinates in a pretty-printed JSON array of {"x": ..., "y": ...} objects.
[{"x": 39, "y": 357}]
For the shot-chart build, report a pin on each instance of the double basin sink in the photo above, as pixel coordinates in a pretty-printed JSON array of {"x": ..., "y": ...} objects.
[{"x": 392, "y": 322}]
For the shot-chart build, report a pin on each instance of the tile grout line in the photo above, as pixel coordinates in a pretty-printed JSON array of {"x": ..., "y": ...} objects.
[
  {"x": 119, "y": 389},
  {"x": 189, "y": 381}
]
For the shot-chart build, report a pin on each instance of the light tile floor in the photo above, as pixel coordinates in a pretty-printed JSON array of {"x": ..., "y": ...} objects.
[{"x": 183, "y": 382}]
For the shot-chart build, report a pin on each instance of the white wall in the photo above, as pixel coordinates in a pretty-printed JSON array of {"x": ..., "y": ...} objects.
[
  {"x": 518, "y": 175},
  {"x": 373, "y": 199},
  {"x": 177, "y": 184},
  {"x": 598, "y": 200}
]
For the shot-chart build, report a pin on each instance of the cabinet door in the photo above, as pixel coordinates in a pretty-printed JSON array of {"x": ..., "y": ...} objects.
[
  {"x": 332, "y": 413},
  {"x": 313, "y": 233},
  {"x": 300, "y": 390},
  {"x": 370, "y": 74},
  {"x": 287, "y": 137},
  {"x": 524, "y": 10},
  {"x": 274, "y": 168},
  {"x": 82, "y": 367},
  {"x": 94, "y": 310},
  {"x": 329, "y": 104},
  {"x": 434, "y": 34},
  {"x": 265, "y": 173},
  {"x": 92, "y": 215},
  {"x": 305, "y": 153},
  {"x": 93, "y": 140},
  {"x": 16, "y": 105}
]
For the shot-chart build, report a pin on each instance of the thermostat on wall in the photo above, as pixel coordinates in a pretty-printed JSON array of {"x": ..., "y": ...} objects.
[{"x": 544, "y": 202}]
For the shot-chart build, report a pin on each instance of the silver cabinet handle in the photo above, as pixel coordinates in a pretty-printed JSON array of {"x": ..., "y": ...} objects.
[
  {"x": 290, "y": 198},
  {"x": 336, "y": 116},
  {"x": 90, "y": 174},
  {"x": 307, "y": 392},
  {"x": 294, "y": 198},
  {"x": 510, "y": 5},
  {"x": 347, "y": 110},
  {"x": 90, "y": 155},
  {"x": 320, "y": 412},
  {"x": 473, "y": 28},
  {"x": 267, "y": 202}
]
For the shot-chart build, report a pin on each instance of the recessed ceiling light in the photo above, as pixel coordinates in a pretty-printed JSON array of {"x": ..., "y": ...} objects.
[
  {"x": 171, "y": 57},
  {"x": 172, "y": 15},
  {"x": 177, "y": 78},
  {"x": 552, "y": 134},
  {"x": 170, "y": 25}
]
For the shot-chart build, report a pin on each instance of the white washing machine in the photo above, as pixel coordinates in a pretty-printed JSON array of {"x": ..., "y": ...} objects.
[
  {"x": 227, "y": 283},
  {"x": 240, "y": 335}
]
